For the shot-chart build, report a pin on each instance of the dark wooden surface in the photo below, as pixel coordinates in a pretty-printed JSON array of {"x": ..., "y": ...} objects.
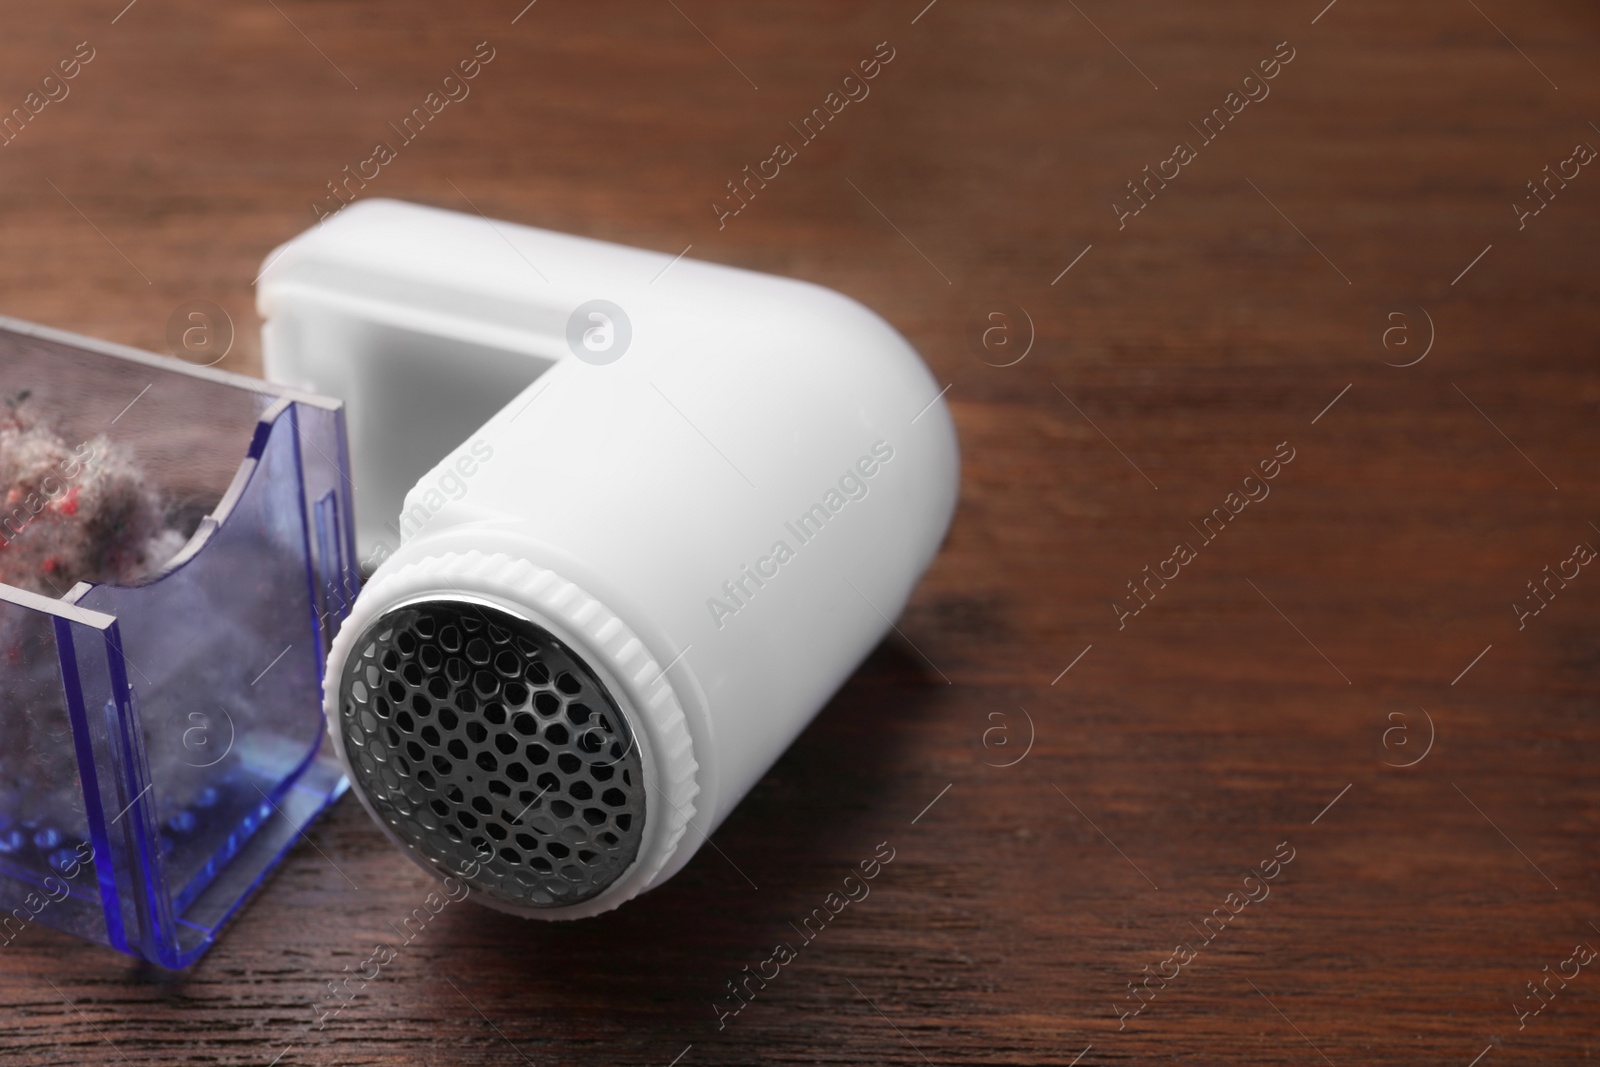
[{"x": 1253, "y": 691}]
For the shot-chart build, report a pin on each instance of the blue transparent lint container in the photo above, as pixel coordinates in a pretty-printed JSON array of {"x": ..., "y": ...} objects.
[{"x": 162, "y": 741}]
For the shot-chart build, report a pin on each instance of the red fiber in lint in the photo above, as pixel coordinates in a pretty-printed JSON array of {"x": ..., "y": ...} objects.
[{"x": 74, "y": 513}]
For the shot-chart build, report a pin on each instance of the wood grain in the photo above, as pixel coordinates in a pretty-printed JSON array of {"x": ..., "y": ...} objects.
[{"x": 1256, "y": 689}]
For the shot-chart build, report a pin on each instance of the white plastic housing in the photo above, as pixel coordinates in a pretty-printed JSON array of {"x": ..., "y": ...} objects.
[{"x": 723, "y": 520}]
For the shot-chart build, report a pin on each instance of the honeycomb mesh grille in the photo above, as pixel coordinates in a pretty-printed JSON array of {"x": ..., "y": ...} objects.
[{"x": 479, "y": 736}]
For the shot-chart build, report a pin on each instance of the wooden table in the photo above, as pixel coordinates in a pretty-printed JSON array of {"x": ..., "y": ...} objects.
[{"x": 1070, "y": 792}]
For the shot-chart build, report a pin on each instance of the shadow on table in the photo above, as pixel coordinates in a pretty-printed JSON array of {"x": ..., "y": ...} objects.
[{"x": 661, "y": 958}]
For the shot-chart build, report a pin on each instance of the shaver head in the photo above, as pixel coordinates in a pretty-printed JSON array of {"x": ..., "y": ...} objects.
[{"x": 490, "y": 747}]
